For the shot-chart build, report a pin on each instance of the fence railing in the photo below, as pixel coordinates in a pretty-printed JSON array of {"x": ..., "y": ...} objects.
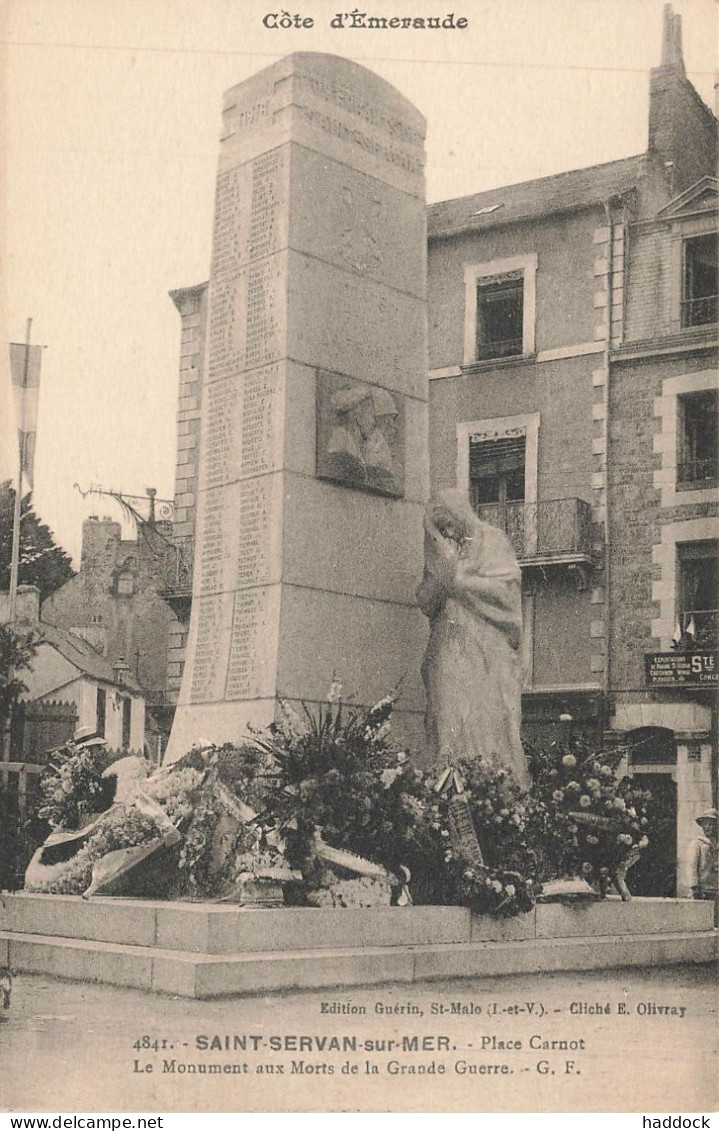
[{"x": 551, "y": 529}]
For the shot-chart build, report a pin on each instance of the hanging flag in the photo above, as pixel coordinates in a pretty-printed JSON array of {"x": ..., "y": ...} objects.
[
  {"x": 25, "y": 371},
  {"x": 677, "y": 633},
  {"x": 691, "y": 629}
]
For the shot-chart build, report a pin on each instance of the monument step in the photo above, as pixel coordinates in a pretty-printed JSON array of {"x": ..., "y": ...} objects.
[
  {"x": 193, "y": 975},
  {"x": 207, "y": 928},
  {"x": 212, "y": 928}
]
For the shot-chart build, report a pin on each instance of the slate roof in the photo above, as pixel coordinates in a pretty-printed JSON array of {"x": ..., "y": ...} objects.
[
  {"x": 529, "y": 200},
  {"x": 84, "y": 657}
]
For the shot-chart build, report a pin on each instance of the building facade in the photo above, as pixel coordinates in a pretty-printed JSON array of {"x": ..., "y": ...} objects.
[
  {"x": 573, "y": 353},
  {"x": 520, "y": 333},
  {"x": 113, "y": 604},
  {"x": 67, "y": 670},
  {"x": 573, "y": 397},
  {"x": 662, "y": 437}
]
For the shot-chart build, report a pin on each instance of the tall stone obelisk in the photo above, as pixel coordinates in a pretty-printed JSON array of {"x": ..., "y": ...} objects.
[{"x": 313, "y": 465}]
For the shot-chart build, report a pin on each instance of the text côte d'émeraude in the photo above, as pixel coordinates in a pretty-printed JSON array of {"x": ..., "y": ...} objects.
[{"x": 285, "y": 21}]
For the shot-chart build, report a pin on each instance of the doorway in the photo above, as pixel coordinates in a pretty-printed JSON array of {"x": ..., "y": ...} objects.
[{"x": 655, "y": 873}]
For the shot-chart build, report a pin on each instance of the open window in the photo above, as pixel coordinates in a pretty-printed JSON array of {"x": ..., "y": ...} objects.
[
  {"x": 500, "y": 309},
  {"x": 497, "y": 471},
  {"x": 497, "y": 485},
  {"x": 698, "y": 593},
  {"x": 698, "y": 449},
  {"x": 700, "y": 284}
]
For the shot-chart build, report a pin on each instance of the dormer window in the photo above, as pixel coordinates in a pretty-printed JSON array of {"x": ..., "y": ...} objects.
[
  {"x": 700, "y": 289},
  {"x": 125, "y": 584}
]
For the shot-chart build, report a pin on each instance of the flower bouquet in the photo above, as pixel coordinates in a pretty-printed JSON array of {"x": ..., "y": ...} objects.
[{"x": 585, "y": 821}]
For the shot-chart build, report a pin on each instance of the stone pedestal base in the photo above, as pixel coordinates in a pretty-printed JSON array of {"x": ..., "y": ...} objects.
[{"x": 207, "y": 950}]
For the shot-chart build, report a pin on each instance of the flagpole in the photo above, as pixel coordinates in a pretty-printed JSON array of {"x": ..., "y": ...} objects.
[{"x": 15, "y": 553}]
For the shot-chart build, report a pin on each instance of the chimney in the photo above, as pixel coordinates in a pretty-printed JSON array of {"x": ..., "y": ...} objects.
[
  {"x": 672, "y": 41},
  {"x": 682, "y": 129},
  {"x": 100, "y": 544}
]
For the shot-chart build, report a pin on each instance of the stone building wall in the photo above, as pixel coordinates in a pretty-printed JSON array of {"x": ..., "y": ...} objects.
[
  {"x": 637, "y": 514},
  {"x": 647, "y": 312},
  {"x": 565, "y": 281},
  {"x": 579, "y": 269},
  {"x": 134, "y": 625}
]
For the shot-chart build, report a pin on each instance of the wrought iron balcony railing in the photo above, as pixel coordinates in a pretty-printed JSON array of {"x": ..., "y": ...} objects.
[
  {"x": 700, "y": 311},
  {"x": 552, "y": 531},
  {"x": 698, "y": 470},
  {"x": 177, "y": 566}
]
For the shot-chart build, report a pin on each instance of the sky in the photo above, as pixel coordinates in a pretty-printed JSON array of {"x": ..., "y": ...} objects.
[{"x": 110, "y": 140}]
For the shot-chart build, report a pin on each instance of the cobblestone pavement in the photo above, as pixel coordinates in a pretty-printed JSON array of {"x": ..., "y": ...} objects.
[{"x": 627, "y": 1040}]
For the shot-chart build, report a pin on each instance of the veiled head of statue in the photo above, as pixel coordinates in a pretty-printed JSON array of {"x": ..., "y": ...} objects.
[{"x": 452, "y": 515}]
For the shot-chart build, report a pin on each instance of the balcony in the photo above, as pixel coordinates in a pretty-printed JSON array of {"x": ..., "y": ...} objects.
[
  {"x": 700, "y": 311},
  {"x": 698, "y": 472},
  {"x": 553, "y": 532},
  {"x": 176, "y": 576}
]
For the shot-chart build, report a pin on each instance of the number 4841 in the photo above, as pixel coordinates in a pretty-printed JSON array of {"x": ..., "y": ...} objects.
[{"x": 153, "y": 1043}]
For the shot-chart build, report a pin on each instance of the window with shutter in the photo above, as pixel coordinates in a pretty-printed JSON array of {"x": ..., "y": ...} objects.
[{"x": 497, "y": 470}]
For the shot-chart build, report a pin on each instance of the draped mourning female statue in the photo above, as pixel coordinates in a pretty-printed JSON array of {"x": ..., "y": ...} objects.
[{"x": 472, "y": 668}]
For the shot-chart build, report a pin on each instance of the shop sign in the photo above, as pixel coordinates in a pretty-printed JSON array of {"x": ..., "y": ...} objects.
[{"x": 698, "y": 668}]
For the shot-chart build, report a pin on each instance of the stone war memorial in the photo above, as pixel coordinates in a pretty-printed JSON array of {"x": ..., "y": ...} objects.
[
  {"x": 301, "y": 832},
  {"x": 314, "y": 465}
]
